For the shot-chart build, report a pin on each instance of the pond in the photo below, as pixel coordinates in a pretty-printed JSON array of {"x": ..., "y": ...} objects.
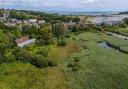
[
  {"x": 103, "y": 44},
  {"x": 107, "y": 45}
]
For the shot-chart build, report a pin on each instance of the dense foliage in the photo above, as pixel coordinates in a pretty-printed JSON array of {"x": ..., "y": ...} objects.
[
  {"x": 25, "y": 15},
  {"x": 45, "y": 34}
]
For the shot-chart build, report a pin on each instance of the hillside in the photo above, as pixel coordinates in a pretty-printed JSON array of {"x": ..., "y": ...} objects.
[{"x": 126, "y": 12}]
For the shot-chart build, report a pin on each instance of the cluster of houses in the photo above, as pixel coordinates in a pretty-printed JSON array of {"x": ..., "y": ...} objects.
[
  {"x": 15, "y": 22},
  {"x": 23, "y": 41}
]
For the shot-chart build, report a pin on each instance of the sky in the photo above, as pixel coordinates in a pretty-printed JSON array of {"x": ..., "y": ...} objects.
[{"x": 66, "y": 5}]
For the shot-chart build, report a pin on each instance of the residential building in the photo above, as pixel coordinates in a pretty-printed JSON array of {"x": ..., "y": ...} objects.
[{"x": 24, "y": 41}]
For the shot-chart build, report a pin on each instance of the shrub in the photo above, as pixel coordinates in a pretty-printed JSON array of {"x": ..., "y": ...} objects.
[
  {"x": 37, "y": 60},
  {"x": 9, "y": 59},
  {"x": 67, "y": 36},
  {"x": 73, "y": 38},
  {"x": 62, "y": 42},
  {"x": 76, "y": 67},
  {"x": 76, "y": 33},
  {"x": 84, "y": 47},
  {"x": 30, "y": 47},
  {"x": 70, "y": 65},
  {"x": 52, "y": 63},
  {"x": 43, "y": 52},
  {"x": 40, "y": 61},
  {"x": 76, "y": 59},
  {"x": 24, "y": 56}
]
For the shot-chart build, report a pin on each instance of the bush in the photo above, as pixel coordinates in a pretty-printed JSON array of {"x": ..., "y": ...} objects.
[
  {"x": 76, "y": 67},
  {"x": 37, "y": 60},
  {"x": 74, "y": 38},
  {"x": 9, "y": 59},
  {"x": 40, "y": 61},
  {"x": 84, "y": 47},
  {"x": 52, "y": 63},
  {"x": 67, "y": 36},
  {"x": 76, "y": 33},
  {"x": 70, "y": 65},
  {"x": 24, "y": 56},
  {"x": 30, "y": 47},
  {"x": 40, "y": 42},
  {"x": 76, "y": 59},
  {"x": 43, "y": 52},
  {"x": 62, "y": 42}
]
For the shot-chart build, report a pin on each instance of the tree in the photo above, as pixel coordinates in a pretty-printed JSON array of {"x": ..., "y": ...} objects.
[
  {"x": 46, "y": 33},
  {"x": 76, "y": 19},
  {"x": 125, "y": 21},
  {"x": 36, "y": 60},
  {"x": 1, "y": 14},
  {"x": 59, "y": 29},
  {"x": 62, "y": 42},
  {"x": 4, "y": 42},
  {"x": 17, "y": 33}
]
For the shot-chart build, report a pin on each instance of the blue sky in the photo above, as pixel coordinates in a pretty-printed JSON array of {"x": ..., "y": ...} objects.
[{"x": 66, "y": 5}]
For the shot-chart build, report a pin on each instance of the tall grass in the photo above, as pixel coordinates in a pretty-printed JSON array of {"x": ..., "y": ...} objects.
[
  {"x": 100, "y": 68},
  {"x": 59, "y": 53}
]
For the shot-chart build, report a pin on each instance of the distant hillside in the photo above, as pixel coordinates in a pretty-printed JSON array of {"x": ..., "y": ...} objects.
[
  {"x": 126, "y": 12},
  {"x": 48, "y": 17}
]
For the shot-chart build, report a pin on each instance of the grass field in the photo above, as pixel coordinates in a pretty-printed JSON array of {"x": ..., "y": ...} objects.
[
  {"x": 123, "y": 30},
  {"x": 100, "y": 68}
]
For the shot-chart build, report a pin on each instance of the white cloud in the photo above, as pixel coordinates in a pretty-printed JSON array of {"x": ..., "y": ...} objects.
[
  {"x": 92, "y": 3},
  {"x": 54, "y": 3},
  {"x": 66, "y": 4},
  {"x": 89, "y": 1},
  {"x": 45, "y": 4}
]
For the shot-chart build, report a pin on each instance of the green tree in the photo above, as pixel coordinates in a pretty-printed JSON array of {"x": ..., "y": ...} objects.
[
  {"x": 125, "y": 21},
  {"x": 46, "y": 33},
  {"x": 58, "y": 29},
  {"x": 4, "y": 42},
  {"x": 17, "y": 33},
  {"x": 76, "y": 19}
]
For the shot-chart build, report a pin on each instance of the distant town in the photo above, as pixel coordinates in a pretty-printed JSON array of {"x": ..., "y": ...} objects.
[{"x": 30, "y": 20}]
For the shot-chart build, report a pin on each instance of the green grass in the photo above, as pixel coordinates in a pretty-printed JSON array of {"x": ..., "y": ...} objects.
[
  {"x": 100, "y": 68},
  {"x": 122, "y": 30},
  {"x": 21, "y": 76},
  {"x": 122, "y": 43}
]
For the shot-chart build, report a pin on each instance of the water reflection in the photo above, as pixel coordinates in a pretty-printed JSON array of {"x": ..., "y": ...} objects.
[{"x": 104, "y": 44}]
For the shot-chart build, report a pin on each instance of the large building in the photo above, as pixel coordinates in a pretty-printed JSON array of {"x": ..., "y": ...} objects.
[{"x": 24, "y": 41}]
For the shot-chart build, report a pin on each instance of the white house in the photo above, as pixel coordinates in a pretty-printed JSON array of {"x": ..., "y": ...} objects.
[
  {"x": 24, "y": 41},
  {"x": 10, "y": 24},
  {"x": 25, "y": 21},
  {"x": 32, "y": 20},
  {"x": 41, "y": 21}
]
